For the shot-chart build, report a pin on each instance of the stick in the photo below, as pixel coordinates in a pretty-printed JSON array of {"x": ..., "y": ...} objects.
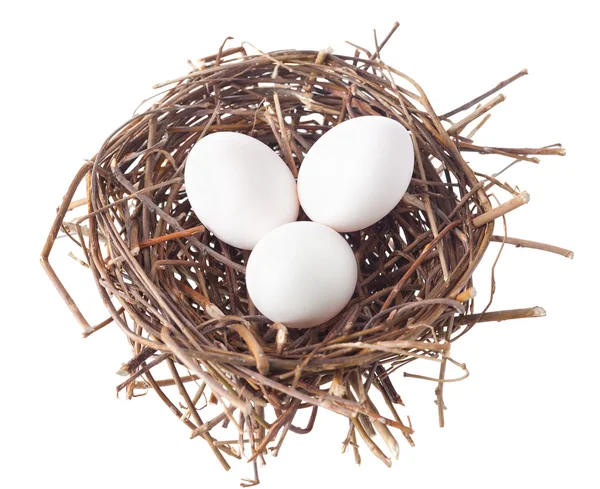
[
  {"x": 476, "y": 100},
  {"x": 524, "y": 243},
  {"x": 496, "y": 212},
  {"x": 530, "y": 312},
  {"x": 460, "y": 125}
]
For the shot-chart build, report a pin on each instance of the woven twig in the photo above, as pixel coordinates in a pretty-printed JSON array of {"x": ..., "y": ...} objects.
[{"x": 179, "y": 294}]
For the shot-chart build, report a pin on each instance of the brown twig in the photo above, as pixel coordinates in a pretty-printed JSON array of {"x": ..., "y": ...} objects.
[
  {"x": 496, "y": 212},
  {"x": 476, "y": 100},
  {"x": 524, "y": 243}
]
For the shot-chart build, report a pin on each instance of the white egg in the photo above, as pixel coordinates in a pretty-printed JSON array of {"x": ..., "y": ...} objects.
[
  {"x": 239, "y": 188},
  {"x": 301, "y": 274},
  {"x": 356, "y": 173}
]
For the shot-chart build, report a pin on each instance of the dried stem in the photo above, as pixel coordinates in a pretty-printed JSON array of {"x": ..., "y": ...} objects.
[
  {"x": 530, "y": 312},
  {"x": 524, "y": 243},
  {"x": 512, "y": 204}
]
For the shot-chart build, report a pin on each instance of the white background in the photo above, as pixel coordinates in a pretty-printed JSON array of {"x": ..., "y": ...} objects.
[{"x": 527, "y": 415}]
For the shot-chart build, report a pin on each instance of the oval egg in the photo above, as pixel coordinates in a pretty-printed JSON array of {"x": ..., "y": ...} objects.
[
  {"x": 239, "y": 188},
  {"x": 356, "y": 173},
  {"x": 301, "y": 274}
]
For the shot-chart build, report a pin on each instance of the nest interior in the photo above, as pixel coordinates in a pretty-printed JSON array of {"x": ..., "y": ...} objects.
[{"x": 179, "y": 294}]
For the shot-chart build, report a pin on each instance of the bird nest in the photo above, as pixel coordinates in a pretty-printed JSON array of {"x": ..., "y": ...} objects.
[{"x": 178, "y": 293}]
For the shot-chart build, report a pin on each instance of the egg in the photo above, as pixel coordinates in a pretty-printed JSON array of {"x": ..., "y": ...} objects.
[
  {"x": 239, "y": 188},
  {"x": 301, "y": 274},
  {"x": 356, "y": 173}
]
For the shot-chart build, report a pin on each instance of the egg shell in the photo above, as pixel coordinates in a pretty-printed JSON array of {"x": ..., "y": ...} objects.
[
  {"x": 356, "y": 173},
  {"x": 239, "y": 188},
  {"x": 301, "y": 274}
]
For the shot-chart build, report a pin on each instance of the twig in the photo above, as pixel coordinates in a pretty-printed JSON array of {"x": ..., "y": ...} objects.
[
  {"x": 524, "y": 243},
  {"x": 476, "y": 100},
  {"x": 530, "y": 312},
  {"x": 460, "y": 125},
  {"x": 496, "y": 212}
]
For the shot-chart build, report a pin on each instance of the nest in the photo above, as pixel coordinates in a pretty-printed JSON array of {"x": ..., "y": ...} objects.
[{"x": 179, "y": 294}]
